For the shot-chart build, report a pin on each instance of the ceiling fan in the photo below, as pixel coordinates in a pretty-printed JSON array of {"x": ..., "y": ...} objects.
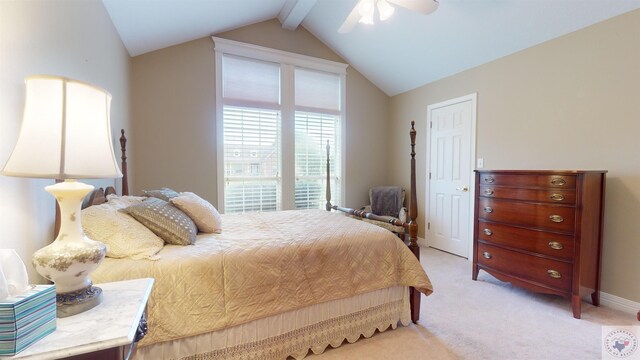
[{"x": 364, "y": 11}]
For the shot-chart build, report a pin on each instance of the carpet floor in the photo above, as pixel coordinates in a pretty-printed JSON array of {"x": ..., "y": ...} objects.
[{"x": 486, "y": 319}]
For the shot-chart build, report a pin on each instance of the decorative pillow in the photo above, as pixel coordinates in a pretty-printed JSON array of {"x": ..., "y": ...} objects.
[
  {"x": 163, "y": 193},
  {"x": 165, "y": 220},
  {"x": 121, "y": 202},
  {"x": 205, "y": 215},
  {"x": 122, "y": 234}
]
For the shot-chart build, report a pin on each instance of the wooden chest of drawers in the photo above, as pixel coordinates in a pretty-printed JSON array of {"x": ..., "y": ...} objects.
[{"x": 541, "y": 230}]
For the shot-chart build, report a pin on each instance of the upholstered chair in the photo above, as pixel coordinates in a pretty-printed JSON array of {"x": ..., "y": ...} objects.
[{"x": 387, "y": 201}]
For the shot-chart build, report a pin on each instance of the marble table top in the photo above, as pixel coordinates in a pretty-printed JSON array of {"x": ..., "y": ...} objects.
[{"x": 111, "y": 324}]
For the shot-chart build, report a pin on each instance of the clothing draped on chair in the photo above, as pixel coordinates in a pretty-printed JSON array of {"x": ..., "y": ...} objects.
[{"x": 386, "y": 200}]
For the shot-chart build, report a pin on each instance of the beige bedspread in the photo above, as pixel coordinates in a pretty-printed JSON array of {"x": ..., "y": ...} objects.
[{"x": 263, "y": 264}]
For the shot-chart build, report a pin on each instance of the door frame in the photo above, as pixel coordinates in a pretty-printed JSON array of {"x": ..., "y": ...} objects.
[{"x": 473, "y": 97}]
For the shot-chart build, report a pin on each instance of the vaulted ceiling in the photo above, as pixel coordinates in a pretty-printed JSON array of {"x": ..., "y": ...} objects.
[{"x": 404, "y": 52}]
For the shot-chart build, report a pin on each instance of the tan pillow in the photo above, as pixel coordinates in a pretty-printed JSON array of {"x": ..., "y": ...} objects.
[
  {"x": 122, "y": 234},
  {"x": 165, "y": 220},
  {"x": 205, "y": 215}
]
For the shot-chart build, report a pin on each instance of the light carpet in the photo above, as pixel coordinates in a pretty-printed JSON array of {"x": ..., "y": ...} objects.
[{"x": 486, "y": 319}]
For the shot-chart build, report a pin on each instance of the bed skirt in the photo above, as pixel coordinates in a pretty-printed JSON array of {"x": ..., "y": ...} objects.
[{"x": 293, "y": 333}]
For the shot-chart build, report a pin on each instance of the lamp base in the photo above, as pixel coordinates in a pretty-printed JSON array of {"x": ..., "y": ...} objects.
[
  {"x": 71, "y": 257},
  {"x": 75, "y": 302}
]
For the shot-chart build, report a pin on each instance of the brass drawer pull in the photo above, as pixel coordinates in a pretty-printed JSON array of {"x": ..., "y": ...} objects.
[
  {"x": 554, "y": 274},
  {"x": 556, "y": 218},
  {"x": 486, "y": 255},
  {"x": 557, "y": 197},
  {"x": 555, "y": 245},
  {"x": 558, "y": 182},
  {"x": 488, "y": 192},
  {"x": 487, "y": 209},
  {"x": 488, "y": 232},
  {"x": 489, "y": 179}
]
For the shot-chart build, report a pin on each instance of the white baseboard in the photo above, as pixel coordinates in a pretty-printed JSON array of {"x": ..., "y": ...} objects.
[
  {"x": 606, "y": 300},
  {"x": 422, "y": 242},
  {"x": 618, "y": 303}
]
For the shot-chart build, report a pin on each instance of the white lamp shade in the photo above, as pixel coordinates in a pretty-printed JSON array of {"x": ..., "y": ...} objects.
[{"x": 65, "y": 133}]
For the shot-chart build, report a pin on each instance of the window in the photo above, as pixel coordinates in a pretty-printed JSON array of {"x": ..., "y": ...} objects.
[
  {"x": 255, "y": 168},
  {"x": 278, "y": 111},
  {"x": 317, "y": 119}
]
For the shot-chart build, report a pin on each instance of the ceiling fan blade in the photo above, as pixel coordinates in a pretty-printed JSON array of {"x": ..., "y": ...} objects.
[
  {"x": 425, "y": 7},
  {"x": 351, "y": 21}
]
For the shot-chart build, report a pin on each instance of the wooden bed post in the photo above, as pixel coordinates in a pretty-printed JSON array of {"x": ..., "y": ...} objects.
[
  {"x": 123, "y": 149},
  {"x": 413, "y": 224},
  {"x": 328, "y": 195}
]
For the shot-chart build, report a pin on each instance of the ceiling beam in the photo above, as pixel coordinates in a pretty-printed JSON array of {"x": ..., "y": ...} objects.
[{"x": 293, "y": 12}]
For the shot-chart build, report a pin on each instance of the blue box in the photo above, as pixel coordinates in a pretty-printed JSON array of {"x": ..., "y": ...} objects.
[{"x": 27, "y": 318}]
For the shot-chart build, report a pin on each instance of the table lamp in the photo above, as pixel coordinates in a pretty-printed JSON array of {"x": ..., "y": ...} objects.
[{"x": 66, "y": 134}]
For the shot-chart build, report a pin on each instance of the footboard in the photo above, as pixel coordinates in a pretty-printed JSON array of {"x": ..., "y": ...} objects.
[{"x": 411, "y": 227}]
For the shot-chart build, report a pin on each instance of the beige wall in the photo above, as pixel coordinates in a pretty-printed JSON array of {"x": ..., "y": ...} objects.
[
  {"x": 570, "y": 103},
  {"x": 174, "y": 112},
  {"x": 173, "y": 106},
  {"x": 69, "y": 38}
]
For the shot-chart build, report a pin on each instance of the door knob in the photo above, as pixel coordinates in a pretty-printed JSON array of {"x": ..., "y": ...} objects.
[{"x": 464, "y": 188}]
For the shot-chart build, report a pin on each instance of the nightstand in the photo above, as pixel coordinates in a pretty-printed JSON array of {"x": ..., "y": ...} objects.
[{"x": 108, "y": 331}]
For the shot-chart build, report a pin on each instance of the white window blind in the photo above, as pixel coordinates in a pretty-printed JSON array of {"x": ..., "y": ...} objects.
[
  {"x": 317, "y": 120},
  {"x": 317, "y": 89},
  {"x": 312, "y": 132},
  {"x": 252, "y": 135},
  {"x": 249, "y": 80},
  {"x": 278, "y": 111}
]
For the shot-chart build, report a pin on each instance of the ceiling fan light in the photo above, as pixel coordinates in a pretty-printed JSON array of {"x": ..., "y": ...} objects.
[
  {"x": 385, "y": 10},
  {"x": 368, "y": 20},
  {"x": 366, "y": 9}
]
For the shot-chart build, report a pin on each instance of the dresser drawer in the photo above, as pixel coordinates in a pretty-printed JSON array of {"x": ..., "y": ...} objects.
[
  {"x": 550, "y": 181},
  {"x": 544, "y": 216},
  {"x": 556, "y": 196},
  {"x": 541, "y": 242},
  {"x": 556, "y": 274}
]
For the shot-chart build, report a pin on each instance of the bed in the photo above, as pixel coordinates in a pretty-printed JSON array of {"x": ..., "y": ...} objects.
[{"x": 275, "y": 285}]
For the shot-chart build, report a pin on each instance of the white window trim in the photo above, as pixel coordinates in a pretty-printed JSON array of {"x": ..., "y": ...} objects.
[
  {"x": 284, "y": 57},
  {"x": 231, "y": 47}
]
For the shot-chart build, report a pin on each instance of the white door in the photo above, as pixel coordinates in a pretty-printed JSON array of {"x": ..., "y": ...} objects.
[{"x": 450, "y": 179}]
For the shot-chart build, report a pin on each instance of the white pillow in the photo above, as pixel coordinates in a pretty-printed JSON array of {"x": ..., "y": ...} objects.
[
  {"x": 121, "y": 202},
  {"x": 205, "y": 215},
  {"x": 122, "y": 234}
]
